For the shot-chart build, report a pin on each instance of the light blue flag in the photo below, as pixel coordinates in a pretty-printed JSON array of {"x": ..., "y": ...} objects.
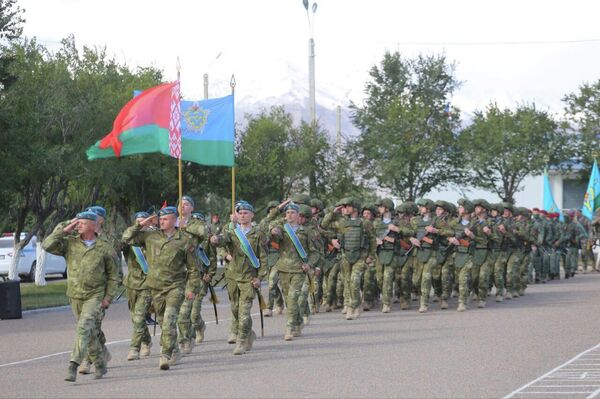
[
  {"x": 591, "y": 200},
  {"x": 207, "y": 131},
  {"x": 549, "y": 204}
]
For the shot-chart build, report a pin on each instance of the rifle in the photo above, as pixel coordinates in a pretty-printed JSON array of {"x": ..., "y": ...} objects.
[
  {"x": 119, "y": 296},
  {"x": 261, "y": 305},
  {"x": 214, "y": 300}
]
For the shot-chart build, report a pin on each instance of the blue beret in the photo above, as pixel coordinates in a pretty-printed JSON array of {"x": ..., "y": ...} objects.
[
  {"x": 89, "y": 215},
  {"x": 141, "y": 214},
  {"x": 98, "y": 210},
  {"x": 188, "y": 199},
  {"x": 198, "y": 215},
  {"x": 244, "y": 206},
  {"x": 293, "y": 207},
  {"x": 168, "y": 210}
]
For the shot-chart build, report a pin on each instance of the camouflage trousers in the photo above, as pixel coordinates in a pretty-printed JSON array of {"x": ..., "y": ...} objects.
[
  {"x": 463, "y": 277},
  {"x": 275, "y": 295},
  {"x": 403, "y": 278},
  {"x": 536, "y": 264},
  {"x": 447, "y": 275},
  {"x": 524, "y": 272},
  {"x": 551, "y": 263},
  {"x": 499, "y": 270},
  {"x": 241, "y": 295},
  {"x": 87, "y": 312},
  {"x": 139, "y": 302},
  {"x": 513, "y": 272},
  {"x": 167, "y": 304},
  {"x": 353, "y": 276},
  {"x": 571, "y": 260},
  {"x": 292, "y": 283},
  {"x": 369, "y": 285},
  {"x": 480, "y": 275},
  {"x": 426, "y": 276},
  {"x": 387, "y": 286},
  {"x": 587, "y": 254},
  {"x": 333, "y": 275},
  {"x": 190, "y": 317}
]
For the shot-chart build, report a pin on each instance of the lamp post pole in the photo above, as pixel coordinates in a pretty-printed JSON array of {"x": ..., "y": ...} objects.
[{"x": 311, "y": 63}]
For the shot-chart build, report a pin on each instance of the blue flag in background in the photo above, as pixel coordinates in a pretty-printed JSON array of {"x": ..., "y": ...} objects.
[
  {"x": 591, "y": 201},
  {"x": 549, "y": 204}
]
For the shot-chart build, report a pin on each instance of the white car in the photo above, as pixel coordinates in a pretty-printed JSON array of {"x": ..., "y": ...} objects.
[{"x": 27, "y": 263}]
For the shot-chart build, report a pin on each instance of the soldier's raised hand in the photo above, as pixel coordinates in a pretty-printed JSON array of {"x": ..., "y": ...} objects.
[
  {"x": 149, "y": 221},
  {"x": 71, "y": 226}
]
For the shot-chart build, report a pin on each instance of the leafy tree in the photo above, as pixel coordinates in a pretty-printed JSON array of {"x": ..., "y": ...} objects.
[
  {"x": 582, "y": 119},
  {"x": 503, "y": 146},
  {"x": 407, "y": 141}
]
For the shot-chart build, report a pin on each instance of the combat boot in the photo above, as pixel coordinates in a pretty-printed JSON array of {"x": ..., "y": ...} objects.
[
  {"x": 288, "y": 335},
  {"x": 350, "y": 314},
  {"x": 404, "y": 304},
  {"x": 344, "y": 310},
  {"x": 436, "y": 299},
  {"x": 297, "y": 331},
  {"x": 461, "y": 307},
  {"x": 444, "y": 304},
  {"x": 367, "y": 306},
  {"x": 499, "y": 298},
  {"x": 200, "y": 334},
  {"x": 186, "y": 347},
  {"x": 481, "y": 304},
  {"x": 267, "y": 313},
  {"x": 84, "y": 367},
  {"x": 306, "y": 320},
  {"x": 164, "y": 362},
  {"x": 515, "y": 294},
  {"x": 508, "y": 295},
  {"x": 133, "y": 354},
  {"x": 356, "y": 313},
  {"x": 423, "y": 308},
  {"x": 277, "y": 310},
  {"x": 175, "y": 357},
  {"x": 239, "y": 349},
  {"x": 232, "y": 339},
  {"x": 249, "y": 341},
  {"x": 522, "y": 292},
  {"x": 100, "y": 371},
  {"x": 145, "y": 349},
  {"x": 385, "y": 309},
  {"x": 72, "y": 372}
]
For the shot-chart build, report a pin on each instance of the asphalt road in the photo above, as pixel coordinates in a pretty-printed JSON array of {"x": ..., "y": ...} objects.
[{"x": 480, "y": 353}]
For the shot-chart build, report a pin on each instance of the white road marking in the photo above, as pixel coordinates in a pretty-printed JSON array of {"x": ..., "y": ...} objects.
[{"x": 562, "y": 371}]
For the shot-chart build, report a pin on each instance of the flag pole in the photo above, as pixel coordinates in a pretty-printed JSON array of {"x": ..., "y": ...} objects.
[
  {"x": 232, "y": 84},
  {"x": 179, "y": 163}
]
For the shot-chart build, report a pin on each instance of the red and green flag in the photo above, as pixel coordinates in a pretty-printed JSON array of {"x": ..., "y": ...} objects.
[{"x": 158, "y": 121}]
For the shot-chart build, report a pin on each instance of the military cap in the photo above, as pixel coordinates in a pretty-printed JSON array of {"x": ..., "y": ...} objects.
[
  {"x": 444, "y": 205},
  {"x": 509, "y": 206},
  {"x": 427, "y": 203},
  {"x": 89, "y": 215},
  {"x": 356, "y": 204},
  {"x": 453, "y": 209},
  {"x": 292, "y": 206},
  {"x": 98, "y": 210},
  {"x": 305, "y": 211},
  {"x": 272, "y": 204},
  {"x": 188, "y": 199},
  {"x": 482, "y": 203},
  {"x": 141, "y": 214},
  {"x": 344, "y": 201},
  {"x": 243, "y": 206},
  {"x": 198, "y": 215},
  {"x": 372, "y": 208},
  {"x": 316, "y": 203},
  {"x": 411, "y": 207},
  {"x": 523, "y": 211},
  {"x": 497, "y": 206},
  {"x": 544, "y": 212},
  {"x": 387, "y": 203},
  {"x": 168, "y": 210},
  {"x": 301, "y": 199},
  {"x": 467, "y": 204}
]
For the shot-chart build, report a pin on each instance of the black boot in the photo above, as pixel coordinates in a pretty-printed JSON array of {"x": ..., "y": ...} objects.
[{"x": 72, "y": 372}]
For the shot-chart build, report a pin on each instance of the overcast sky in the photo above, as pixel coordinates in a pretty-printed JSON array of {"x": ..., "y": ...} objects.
[{"x": 509, "y": 51}]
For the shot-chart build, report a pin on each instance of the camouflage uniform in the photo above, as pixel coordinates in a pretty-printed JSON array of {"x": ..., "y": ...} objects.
[
  {"x": 463, "y": 253},
  {"x": 275, "y": 295},
  {"x": 570, "y": 237},
  {"x": 480, "y": 271},
  {"x": 92, "y": 276},
  {"x": 172, "y": 272},
  {"x": 405, "y": 253}
]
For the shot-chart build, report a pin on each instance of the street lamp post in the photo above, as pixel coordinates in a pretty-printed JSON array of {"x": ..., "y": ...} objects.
[{"x": 311, "y": 63}]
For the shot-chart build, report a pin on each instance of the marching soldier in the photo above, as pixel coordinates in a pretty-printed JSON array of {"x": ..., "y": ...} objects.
[
  {"x": 463, "y": 241},
  {"x": 370, "y": 287},
  {"x": 246, "y": 266},
  {"x": 92, "y": 282},
  {"x": 480, "y": 231},
  {"x": 275, "y": 295},
  {"x": 172, "y": 274}
]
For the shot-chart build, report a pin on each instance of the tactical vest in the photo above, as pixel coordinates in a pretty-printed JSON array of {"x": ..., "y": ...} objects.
[{"x": 352, "y": 239}]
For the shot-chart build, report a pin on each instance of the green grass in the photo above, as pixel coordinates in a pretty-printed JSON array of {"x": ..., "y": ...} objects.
[{"x": 51, "y": 295}]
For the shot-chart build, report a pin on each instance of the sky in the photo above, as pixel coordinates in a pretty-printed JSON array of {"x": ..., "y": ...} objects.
[{"x": 510, "y": 52}]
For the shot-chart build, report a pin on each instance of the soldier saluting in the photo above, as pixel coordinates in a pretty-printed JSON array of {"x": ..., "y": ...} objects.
[
  {"x": 92, "y": 281},
  {"x": 172, "y": 274}
]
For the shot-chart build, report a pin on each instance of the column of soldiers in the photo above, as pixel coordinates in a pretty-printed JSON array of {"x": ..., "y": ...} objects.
[{"x": 314, "y": 259}]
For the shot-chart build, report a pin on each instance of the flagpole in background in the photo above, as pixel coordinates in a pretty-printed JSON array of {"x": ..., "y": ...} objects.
[
  {"x": 179, "y": 163},
  {"x": 232, "y": 84}
]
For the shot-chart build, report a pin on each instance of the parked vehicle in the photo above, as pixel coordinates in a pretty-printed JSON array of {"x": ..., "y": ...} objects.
[{"x": 27, "y": 263}]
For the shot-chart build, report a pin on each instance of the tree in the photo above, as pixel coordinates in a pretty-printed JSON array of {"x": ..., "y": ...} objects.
[
  {"x": 502, "y": 147},
  {"x": 582, "y": 119},
  {"x": 407, "y": 141}
]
